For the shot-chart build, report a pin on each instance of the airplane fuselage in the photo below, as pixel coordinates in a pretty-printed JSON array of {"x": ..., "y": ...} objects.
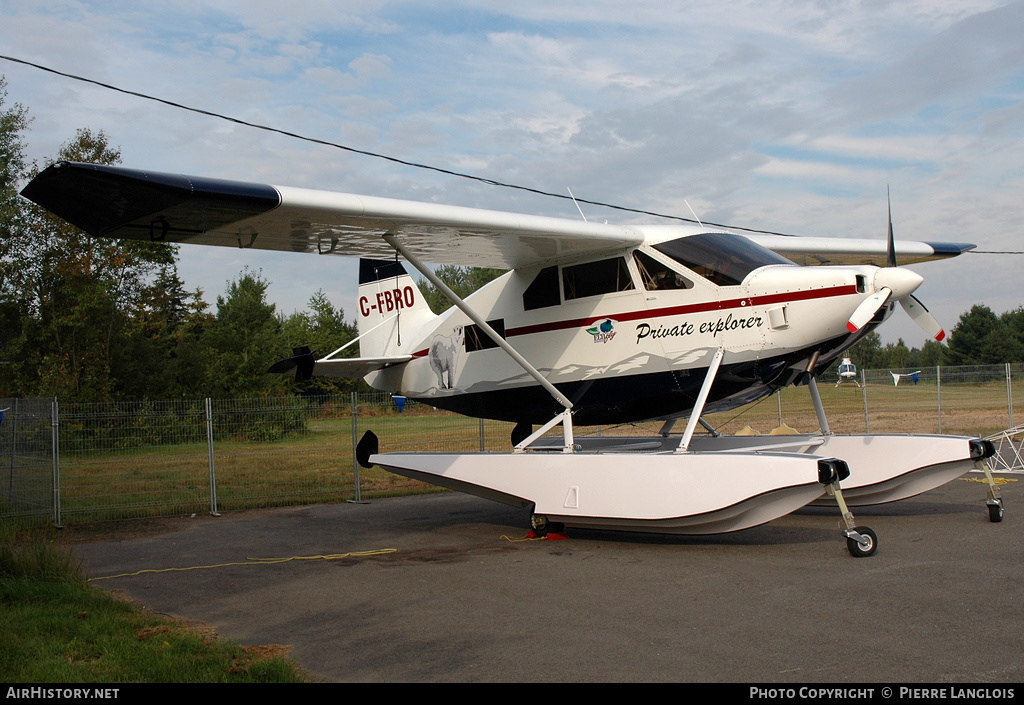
[{"x": 619, "y": 342}]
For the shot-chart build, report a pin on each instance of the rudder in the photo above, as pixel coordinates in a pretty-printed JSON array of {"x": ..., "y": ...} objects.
[{"x": 391, "y": 308}]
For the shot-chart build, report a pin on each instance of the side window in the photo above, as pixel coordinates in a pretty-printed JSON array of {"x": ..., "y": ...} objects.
[
  {"x": 594, "y": 278},
  {"x": 543, "y": 290},
  {"x": 476, "y": 339},
  {"x": 655, "y": 276}
]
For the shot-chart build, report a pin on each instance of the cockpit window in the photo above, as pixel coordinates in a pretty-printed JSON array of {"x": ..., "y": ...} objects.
[
  {"x": 722, "y": 258},
  {"x": 656, "y": 276}
]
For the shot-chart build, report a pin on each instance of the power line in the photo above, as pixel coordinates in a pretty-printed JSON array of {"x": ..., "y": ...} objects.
[
  {"x": 395, "y": 160},
  {"x": 403, "y": 162}
]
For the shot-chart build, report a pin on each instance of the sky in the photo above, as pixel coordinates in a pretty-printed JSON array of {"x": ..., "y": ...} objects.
[{"x": 793, "y": 117}]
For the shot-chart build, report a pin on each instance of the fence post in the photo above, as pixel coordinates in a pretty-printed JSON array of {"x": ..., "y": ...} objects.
[
  {"x": 938, "y": 392},
  {"x": 1009, "y": 394},
  {"x": 355, "y": 441},
  {"x": 55, "y": 452},
  {"x": 14, "y": 441},
  {"x": 864, "y": 390},
  {"x": 209, "y": 452}
]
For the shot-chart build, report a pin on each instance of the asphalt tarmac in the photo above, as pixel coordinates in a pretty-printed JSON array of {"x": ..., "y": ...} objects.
[{"x": 444, "y": 594}]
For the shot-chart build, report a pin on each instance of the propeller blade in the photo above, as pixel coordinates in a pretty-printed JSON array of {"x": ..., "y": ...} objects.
[
  {"x": 922, "y": 317},
  {"x": 890, "y": 248},
  {"x": 867, "y": 309}
]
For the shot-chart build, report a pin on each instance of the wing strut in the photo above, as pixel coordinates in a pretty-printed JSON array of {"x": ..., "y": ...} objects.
[{"x": 565, "y": 417}]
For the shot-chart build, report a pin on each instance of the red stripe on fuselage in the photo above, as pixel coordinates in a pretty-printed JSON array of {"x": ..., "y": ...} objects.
[
  {"x": 725, "y": 305},
  {"x": 687, "y": 309}
]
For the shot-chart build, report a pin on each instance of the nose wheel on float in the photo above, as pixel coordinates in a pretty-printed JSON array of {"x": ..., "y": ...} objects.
[
  {"x": 860, "y": 540},
  {"x": 982, "y": 451}
]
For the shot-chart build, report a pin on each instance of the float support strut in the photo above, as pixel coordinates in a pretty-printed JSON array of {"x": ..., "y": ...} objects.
[{"x": 819, "y": 408}]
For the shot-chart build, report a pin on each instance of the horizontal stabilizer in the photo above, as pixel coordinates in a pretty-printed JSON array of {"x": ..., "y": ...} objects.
[
  {"x": 356, "y": 366},
  {"x": 302, "y": 361}
]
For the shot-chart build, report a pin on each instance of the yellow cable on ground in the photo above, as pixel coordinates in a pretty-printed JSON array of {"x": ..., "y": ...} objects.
[
  {"x": 525, "y": 538},
  {"x": 257, "y": 561},
  {"x": 997, "y": 480}
]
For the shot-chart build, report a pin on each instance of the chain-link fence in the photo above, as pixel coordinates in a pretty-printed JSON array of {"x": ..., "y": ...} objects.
[
  {"x": 28, "y": 444},
  {"x": 971, "y": 401},
  {"x": 96, "y": 462},
  {"x": 73, "y": 463}
]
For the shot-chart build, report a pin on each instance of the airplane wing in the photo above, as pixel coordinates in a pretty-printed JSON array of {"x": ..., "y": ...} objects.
[
  {"x": 835, "y": 250},
  {"x": 117, "y": 202}
]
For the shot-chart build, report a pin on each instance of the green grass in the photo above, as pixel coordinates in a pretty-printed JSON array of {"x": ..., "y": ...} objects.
[
  {"x": 57, "y": 629},
  {"x": 313, "y": 466}
]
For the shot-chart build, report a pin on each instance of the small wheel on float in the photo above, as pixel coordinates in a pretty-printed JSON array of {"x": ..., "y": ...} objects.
[
  {"x": 539, "y": 522},
  {"x": 995, "y": 512},
  {"x": 866, "y": 546}
]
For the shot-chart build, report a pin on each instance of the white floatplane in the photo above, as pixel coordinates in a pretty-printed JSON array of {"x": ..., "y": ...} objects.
[{"x": 592, "y": 324}]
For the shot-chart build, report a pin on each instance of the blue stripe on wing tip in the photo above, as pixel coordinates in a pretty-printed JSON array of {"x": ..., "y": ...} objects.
[
  {"x": 103, "y": 200},
  {"x": 950, "y": 249}
]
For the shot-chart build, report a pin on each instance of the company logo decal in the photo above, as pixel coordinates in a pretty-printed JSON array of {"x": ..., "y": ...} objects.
[{"x": 603, "y": 331}]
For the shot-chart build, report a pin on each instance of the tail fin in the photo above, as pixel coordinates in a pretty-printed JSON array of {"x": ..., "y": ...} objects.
[{"x": 391, "y": 309}]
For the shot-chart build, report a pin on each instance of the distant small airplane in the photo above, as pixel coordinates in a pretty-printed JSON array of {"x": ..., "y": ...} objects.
[{"x": 593, "y": 324}]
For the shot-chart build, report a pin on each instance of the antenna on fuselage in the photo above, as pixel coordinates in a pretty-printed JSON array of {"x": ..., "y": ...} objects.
[
  {"x": 577, "y": 204},
  {"x": 694, "y": 213}
]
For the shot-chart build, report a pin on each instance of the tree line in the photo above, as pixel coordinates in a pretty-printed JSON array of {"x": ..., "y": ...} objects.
[{"x": 88, "y": 319}]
